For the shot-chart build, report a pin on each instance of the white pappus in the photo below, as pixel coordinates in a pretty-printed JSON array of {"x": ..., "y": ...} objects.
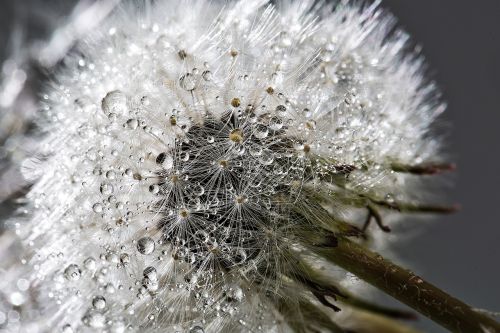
[{"x": 191, "y": 156}]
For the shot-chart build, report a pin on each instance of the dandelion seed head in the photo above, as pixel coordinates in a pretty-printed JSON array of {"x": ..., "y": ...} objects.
[{"x": 180, "y": 146}]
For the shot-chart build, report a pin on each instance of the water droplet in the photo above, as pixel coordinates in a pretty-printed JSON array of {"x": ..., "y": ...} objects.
[
  {"x": 155, "y": 188},
  {"x": 150, "y": 273},
  {"x": 145, "y": 100},
  {"x": 281, "y": 110},
  {"x": 89, "y": 263},
  {"x": 307, "y": 113},
  {"x": 72, "y": 272},
  {"x": 255, "y": 150},
  {"x": 132, "y": 123},
  {"x": 166, "y": 160},
  {"x": 275, "y": 123},
  {"x": 124, "y": 259},
  {"x": 106, "y": 188},
  {"x": 67, "y": 329},
  {"x": 94, "y": 320},
  {"x": 207, "y": 75},
  {"x": 210, "y": 139},
  {"x": 267, "y": 157},
  {"x": 146, "y": 245},
  {"x": 110, "y": 174},
  {"x": 198, "y": 190},
  {"x": 99, "y": 302},
  {"x": 187, "y": 82},
  {"x": 109, "y": 288},
  {"x": 236, "y": 294},
  {"x": 197, "y": 329},
  {"x": 261, "y": 131},
  {"x": 115, "y": 102},
  {"x": 97, "y": 208}
]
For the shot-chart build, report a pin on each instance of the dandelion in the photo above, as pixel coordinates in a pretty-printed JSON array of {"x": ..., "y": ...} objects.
[{"x": 203, "y": 167}]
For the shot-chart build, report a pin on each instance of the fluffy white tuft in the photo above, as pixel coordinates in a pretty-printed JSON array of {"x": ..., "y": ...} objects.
[{"x": 184, "y": 145}]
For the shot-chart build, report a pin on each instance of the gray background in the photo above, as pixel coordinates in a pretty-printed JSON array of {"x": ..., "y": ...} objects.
[{"x": 461, "y": 42}]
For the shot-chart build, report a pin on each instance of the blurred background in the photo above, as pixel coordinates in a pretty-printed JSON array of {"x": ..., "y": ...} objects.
[{"x": 461, "y": 41}]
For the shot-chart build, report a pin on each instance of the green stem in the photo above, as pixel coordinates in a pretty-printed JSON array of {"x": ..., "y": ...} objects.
[{"x": 408, "y": 288}]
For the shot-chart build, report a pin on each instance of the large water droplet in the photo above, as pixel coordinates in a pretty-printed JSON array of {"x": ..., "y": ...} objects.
[
  {"x": 275, "y": 123},
  {"x": 94, "y": 320},
  {"x": 281, "y": 110},
  {"x": 146, "y": 245},
  {"x": 266, "y": 158},
  {"x": 99, "y": 302},
  {"x": 72, "y": 272},
  {"x": 255, "y": 150},
  {"x": 89, "y": 263},
  {"x": 106, "y": 188},
  {"x": 155, "y": 188},
  {"x": 97, "y": 208},
  {"x": 207, "y": 75},
  {"x": 165, "y": 160},
  {"x": 132, "y": 123},
  {"x": 187, "y": 82},
  {"x": 198, "y": 190},
  {"x": 110, "y": 174},
  {"x": 261, "y": 131},
  {"x": 115, "y": 102},
  {"x": 124, "y": 259}
]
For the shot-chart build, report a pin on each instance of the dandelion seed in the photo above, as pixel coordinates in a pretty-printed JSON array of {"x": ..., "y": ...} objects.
[{"x": 206, "y": 212}]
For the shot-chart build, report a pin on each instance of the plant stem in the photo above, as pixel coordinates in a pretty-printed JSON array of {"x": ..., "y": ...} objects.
[{"x": 408, "y": 288}]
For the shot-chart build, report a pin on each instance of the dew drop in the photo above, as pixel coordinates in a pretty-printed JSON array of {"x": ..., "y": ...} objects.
[
  {"x": 145, "y": 245},
  {"x": 99, "y": 302},
  {"x": 155, "y": 188},
  {"x": 266, "y": 158},
  {"x": 165, "y": 160},
  {"x": 106, "y": 188},
  {"x": 94, "y": 320},
  {"x": 110, "y": 174},
  {"x": 67, "y": 329},
  {"x": 198, "y": 190},
  {"x": 115, "y": 102},
  {"x": 97, "y": 208},
  {"x": 187, "y": 82},
  {"x": 261, "y": 131},
  {"x": 275, "y": 123},
  {"x": 145, "y": 100},
  {"x": 281, "y": 110},
  {"x": 197, "y": 329},
  {"x": 207, "y": 75},
  {"x": 132, "y": 123},
  {"x": 72, "y": 273},
  {"x": 150, "y": 273},
  {"x": 124, "y": 259},
  {"x": 255, "y": 150},
  {"x": 89, "y": 263}
]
